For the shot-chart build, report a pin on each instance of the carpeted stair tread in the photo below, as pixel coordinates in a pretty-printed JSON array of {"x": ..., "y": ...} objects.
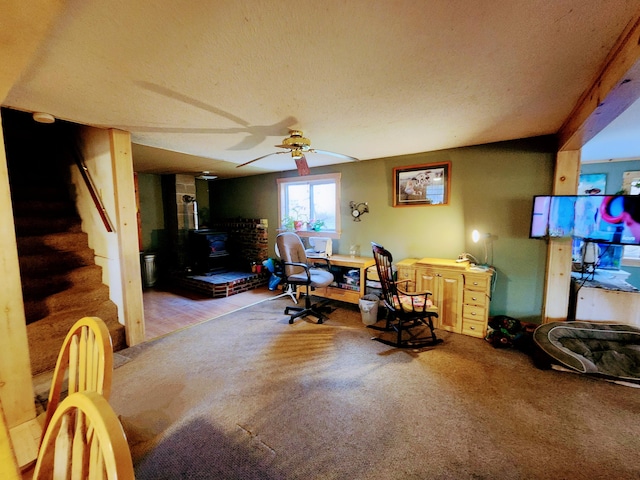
[
  {"x": 47, "y": 263},
  {"x": 89, "y": 276},
  {"x": 44, "y": 208},
  {"x": 61, "y": 241},
  {"x": 28, "y": 226},
  {"x": 46, "y": 335},
  {"x": 37, "y": 309},
  {"x": 30, "y": 192}
]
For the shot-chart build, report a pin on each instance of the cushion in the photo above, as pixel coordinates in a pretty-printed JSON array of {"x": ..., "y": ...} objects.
[{"x": 419, "y": 303}]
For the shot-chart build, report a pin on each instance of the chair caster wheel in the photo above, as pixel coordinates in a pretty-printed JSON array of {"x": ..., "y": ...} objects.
[
  {"x": 320, "y": 321},
  {"x": 290, "y": 321}
]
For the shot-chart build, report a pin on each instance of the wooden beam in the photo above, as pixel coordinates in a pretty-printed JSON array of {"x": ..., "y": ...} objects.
[
  {"x": 615, "y": 89},
  {"x": 127, "y": 230}
]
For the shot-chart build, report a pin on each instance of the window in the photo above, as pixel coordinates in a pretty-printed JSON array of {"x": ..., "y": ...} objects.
[{"x": 310, "y": 205}]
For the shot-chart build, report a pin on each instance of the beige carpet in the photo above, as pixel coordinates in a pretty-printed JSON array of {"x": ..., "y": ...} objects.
[{"x": 249, "y": 396}]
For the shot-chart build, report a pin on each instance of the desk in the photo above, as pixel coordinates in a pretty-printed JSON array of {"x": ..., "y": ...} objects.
[
  {"x": 605, "y": 298},
  {"x": 346, "y": 288}
]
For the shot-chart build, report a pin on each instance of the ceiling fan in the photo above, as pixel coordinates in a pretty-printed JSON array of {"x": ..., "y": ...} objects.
[{"x": 297, "y": 145}]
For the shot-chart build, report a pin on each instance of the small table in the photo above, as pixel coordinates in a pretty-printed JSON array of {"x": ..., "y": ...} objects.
[{"x": 346, "y": 288}]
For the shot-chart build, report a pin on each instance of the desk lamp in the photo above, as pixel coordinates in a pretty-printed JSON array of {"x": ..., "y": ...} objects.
[{"x": 476, "y": 236}]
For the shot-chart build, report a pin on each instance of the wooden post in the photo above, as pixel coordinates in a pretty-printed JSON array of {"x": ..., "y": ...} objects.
[
  {"x": 25, "y": 25},
  {"x": 16, "y": 388},
  {"x": 127, "y": 230},
  {"x": 558, "y": 284}
]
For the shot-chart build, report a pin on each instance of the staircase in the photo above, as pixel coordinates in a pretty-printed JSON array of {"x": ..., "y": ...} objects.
[{"x": 60, "y": 281}]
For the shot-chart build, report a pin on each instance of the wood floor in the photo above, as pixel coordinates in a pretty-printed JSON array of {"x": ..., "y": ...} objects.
[{"x": 168, "y": 310}]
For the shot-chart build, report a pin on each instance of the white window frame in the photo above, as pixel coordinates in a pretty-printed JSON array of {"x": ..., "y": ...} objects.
[{"x": 282, "y": 182}]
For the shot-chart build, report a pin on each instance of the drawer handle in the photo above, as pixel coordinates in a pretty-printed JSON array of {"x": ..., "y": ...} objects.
[
  {"x": 474, "y": 298},
  {"x": 472, "y": 328},
  {"x": 475, "y": 283},
  {"x": 473, "y": 314}
]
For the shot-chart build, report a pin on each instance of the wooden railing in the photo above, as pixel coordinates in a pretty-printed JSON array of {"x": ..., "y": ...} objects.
[{"x": 97, "y": 201}]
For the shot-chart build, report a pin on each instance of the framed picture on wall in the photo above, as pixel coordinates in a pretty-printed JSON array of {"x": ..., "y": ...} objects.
[
  {"x": 427, "y": 184},
  {"x": 592, "y": 184},
  {"x": 631, "y": 183}
]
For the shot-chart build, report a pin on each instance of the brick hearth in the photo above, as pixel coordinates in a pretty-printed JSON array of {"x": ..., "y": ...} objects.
[{"x": 223, "y": 284}]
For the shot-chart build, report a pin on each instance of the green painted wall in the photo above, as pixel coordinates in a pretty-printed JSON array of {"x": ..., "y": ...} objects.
[
  {"x": 151, "y": 212},
  {"x": 491, "y": 190}
]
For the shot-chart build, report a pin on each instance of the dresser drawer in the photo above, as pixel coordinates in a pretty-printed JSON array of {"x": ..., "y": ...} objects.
[
  {"x": 473, "y": 297},
  {"x": 474, "y": 312},
  {"x": 473, "y": 328},
  {"x": 476, "y": 282}
]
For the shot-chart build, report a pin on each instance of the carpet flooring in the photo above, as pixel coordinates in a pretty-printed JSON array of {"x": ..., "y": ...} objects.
[{"x": 248, "y": 396}]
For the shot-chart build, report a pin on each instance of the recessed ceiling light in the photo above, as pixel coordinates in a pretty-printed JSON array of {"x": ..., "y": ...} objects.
[{"x": 41, "y": 117}]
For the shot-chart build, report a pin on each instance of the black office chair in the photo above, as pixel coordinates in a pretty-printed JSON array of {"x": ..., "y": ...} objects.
[
  {"x": 409, "y": 314},
  {"x": 299, "y": 272}
]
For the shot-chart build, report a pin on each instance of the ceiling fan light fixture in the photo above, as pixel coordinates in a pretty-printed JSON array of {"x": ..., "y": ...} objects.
[
  {"x": 297, "y": 146},
  {"x": 295, "y": 140}
]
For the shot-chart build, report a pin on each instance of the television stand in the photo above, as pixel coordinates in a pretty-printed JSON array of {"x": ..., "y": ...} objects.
[{"x": 606, "y": 297}]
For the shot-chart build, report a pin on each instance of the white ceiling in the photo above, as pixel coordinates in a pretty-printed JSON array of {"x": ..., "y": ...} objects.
[{"x": 222, "y": 81}]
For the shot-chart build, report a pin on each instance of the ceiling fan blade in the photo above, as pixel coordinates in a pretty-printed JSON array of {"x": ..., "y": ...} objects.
[
  {"x": 334, "y": 154},
  {"x": 259, "y": 158}
]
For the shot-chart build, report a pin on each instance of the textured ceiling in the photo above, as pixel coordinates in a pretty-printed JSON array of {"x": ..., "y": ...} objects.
[{"x": 221, "y": 82}]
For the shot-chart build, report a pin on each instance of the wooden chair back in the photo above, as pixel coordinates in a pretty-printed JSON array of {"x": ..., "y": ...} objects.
[
  {"x": 85, "y": 363},
  {"x": 84, "y": 440},
  {"x": 384, "y": 266}
]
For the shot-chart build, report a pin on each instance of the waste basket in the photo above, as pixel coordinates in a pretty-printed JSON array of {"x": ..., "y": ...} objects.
[
  {"x": 149, "y": 270},
  {"x": 369, "y": 309}
]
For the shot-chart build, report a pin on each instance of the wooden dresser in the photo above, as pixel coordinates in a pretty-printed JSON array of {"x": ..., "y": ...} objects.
[{"x": 462, "y": 293}]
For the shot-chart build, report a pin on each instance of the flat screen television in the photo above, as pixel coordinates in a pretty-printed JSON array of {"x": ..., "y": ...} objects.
[
  {"x": 613, "y": 219},
  {"x": 553, "y": 216}
]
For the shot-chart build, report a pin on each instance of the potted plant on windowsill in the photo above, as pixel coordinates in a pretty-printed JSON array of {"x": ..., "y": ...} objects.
[
  {"x": 296, "y": 221},
  {"x": 315, "y": 225}
]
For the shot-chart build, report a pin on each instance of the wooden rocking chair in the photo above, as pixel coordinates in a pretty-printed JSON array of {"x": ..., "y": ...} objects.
[{"x": 409, "y": 314}]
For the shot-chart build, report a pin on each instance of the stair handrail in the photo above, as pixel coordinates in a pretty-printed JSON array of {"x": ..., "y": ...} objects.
[{"x": 97, "y": 201}]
